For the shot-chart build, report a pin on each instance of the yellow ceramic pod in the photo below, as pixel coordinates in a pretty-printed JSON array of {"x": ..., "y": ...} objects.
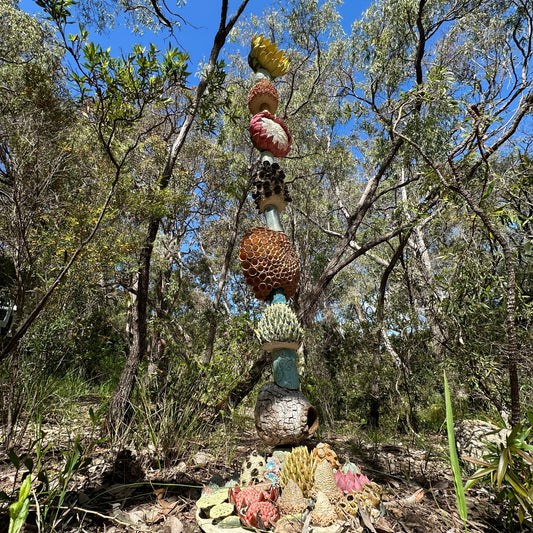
[{"x": 266, "y": 55}]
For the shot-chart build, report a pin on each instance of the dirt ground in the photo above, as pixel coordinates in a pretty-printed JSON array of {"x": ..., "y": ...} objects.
[{"x": 122, "y": 491}]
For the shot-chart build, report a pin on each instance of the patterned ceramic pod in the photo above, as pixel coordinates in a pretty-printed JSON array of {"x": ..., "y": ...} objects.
[
  {"x": 253, "y": 469},
  {"x": 279, "y": 328},
  {"x": 292, "y": 500},
  {"x": 324, "y": 481},
  {"x": 263, "y": 96},
  {"x": 265, "y": 54},
  {"x": 324, "y": 513},
  {"x": 270, "y": 133},
  {"x": 323, "y": 452},
  {"x": 269, "y": 187},
  {"x": 284, "y": 416},
  {"x": 269, "y": 262}
]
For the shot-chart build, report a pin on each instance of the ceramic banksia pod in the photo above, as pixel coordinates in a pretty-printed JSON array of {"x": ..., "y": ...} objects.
[
  {"x": 269, "y": 133},
  {"x": 269, "y": 262},
  {"x": 324, "y": 481},
  {"x": 292, "y": 500},
  {"x": 348, "y": 504},
  {"x": 279, "y": 328},
  {"x": 324, "y": 513},
  {"x": 263, "y": 96},
  {"x": 300, "y": 467},
  {"x": 268, "y": 513},
  {"x": 350, "y": 482},
  {"x": 269, "y": 187},
  {"x": 323, "y": 452},
  {"x": 265, "y": 55},
  {"x": 252, "y": 469}
]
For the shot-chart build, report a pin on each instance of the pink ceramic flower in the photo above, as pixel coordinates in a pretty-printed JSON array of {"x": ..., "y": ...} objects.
[{"x": 270, "y": 133}]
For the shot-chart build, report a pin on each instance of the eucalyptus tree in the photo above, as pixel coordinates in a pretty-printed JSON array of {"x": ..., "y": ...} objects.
[
  {"x": 132, "y": 104},
  {"x": 395, "y": 128},
  {"x": 197, "y": 100},
  {"x": 449, "y": 86},
  {"x": 42, "y": 166}
]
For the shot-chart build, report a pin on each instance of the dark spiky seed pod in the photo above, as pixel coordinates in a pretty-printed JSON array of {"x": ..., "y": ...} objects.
[{"x": 268, "y": 182}]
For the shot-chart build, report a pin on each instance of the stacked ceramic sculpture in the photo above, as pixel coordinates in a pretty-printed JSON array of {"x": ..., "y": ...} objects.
[{"x": 270, "y": 263}]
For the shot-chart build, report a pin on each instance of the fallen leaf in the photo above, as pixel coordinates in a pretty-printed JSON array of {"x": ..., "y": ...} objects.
[
  {"x": 173, "y": 525},
  {"x": 366, "y": 520},
  {"x": 382, "y": 526}
]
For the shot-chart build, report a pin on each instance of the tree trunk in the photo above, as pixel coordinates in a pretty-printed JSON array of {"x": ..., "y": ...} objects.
[
  {"x": 119, "y": 406},
  {"x": 246, "y": 384},
  {"x": 119, "y": 402},
  {"x": 373, "y": 416},
  {"x": 338, "y": 261}
]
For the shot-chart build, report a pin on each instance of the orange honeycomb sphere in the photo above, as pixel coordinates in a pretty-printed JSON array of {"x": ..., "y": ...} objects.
[
  {"x": 263, "y": 97},
  {"x": 269, "y": 262}
]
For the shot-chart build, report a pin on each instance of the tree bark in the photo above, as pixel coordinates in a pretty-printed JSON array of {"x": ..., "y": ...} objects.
[
  {"x": 246, "y": 384},
  {"x": 373, "y": 415},
  {"x": 119, "y": 406}
]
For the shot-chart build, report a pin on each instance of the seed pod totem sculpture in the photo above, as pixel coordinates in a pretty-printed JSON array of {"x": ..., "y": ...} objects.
[{"x": 283, "y": 416}]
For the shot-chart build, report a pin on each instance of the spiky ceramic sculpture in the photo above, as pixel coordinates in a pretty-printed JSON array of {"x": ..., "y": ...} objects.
[
  {"x": 268, "y": 513},
  {"x": 300, "y": 467},
  {"x": 253, "y": 501},
  {"x": 270, "y": 188},
  {"x": 350, "y": 482},
  {"x": 269, "y": 133},
  {"x": 265, "y": 55},
  {"x": 279, "y": 328},
  {"x": 263, "y": 96},
  {"x": 269, "y": 261}
]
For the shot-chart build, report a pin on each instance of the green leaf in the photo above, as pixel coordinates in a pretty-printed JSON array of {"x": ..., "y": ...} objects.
[
  {"x": 502, "y": 467},
  {"x": 25, "y": 488},
  {"x": 454, "y": 460},
  {"x": 526, "y": 456},
  {"x": 18, "y": 511},
  {"x": 517, "y": 486}
]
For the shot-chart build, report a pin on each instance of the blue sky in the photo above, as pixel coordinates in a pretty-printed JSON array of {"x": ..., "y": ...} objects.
[{"x": 202, "y": 16}]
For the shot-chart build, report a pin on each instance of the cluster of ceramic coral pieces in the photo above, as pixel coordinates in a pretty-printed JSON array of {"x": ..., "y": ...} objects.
[
  {"x": 269, "y": 261},
  {"x": 283, "y": 491}
]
